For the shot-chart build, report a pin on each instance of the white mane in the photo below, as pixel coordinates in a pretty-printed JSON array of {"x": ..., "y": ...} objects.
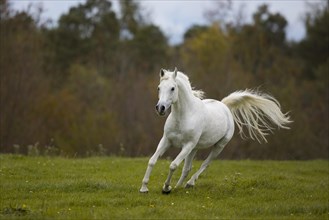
[{"x": 184, "y": 79}]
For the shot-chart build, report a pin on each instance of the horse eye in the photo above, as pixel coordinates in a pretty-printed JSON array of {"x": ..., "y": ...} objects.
[
  {"x": 172, "y": 89},
  {"x": 158, "y": 88}
]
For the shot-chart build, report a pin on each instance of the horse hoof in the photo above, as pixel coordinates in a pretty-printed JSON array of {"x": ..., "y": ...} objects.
[
  {"x": 166, "y": 192},
  {"x": 144, "y": 190},
  {"x": 189, "y": 186}
]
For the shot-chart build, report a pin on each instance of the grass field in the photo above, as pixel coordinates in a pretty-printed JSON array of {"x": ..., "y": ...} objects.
[{"x": 108, "y": 188}]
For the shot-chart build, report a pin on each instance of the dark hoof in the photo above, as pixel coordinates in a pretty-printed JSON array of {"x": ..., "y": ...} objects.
[
  {"x": 166, "y": 192},
  {"x": 166, "y": 189}
]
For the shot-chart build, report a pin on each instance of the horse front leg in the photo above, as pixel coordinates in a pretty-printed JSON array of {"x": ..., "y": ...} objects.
[
  {"x": 187, "y": 149},
  {"x": 161, "y": 149}
]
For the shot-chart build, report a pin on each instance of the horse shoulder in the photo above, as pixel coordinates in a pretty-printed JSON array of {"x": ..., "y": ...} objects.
[{"x": 183, "y": 130}]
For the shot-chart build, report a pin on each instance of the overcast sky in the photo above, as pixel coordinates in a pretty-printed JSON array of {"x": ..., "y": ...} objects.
[{"x": 174, "y": 17}]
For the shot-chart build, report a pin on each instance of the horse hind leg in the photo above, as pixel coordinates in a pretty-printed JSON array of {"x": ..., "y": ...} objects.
[
  {"x": 218, "y": 147},
  {"x": 187, "y": 167}
]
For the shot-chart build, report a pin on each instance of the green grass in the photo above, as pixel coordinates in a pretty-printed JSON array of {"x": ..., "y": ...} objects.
[{"x": 108, "y": 188}]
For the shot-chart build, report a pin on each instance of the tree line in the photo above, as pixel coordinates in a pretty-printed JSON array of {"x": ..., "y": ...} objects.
[{"x": 87, "y": 86}]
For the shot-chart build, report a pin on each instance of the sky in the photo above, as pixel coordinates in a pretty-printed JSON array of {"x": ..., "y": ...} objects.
[{"x": 174, "y": 17}]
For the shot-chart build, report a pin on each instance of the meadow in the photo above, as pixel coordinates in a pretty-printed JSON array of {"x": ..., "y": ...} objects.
[{"x": 108, "y": 188}]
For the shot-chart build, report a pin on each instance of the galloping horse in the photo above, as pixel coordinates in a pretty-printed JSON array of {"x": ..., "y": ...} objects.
[{"x": 196, "y": 123}]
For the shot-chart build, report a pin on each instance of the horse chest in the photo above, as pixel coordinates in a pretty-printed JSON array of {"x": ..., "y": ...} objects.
[{"x": 179, "y": 133}]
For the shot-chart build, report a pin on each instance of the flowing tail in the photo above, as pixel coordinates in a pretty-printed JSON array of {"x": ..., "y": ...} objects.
[{"x": 256, "y": 112}]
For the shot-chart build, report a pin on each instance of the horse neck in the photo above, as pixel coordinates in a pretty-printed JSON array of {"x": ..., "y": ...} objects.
[{"x": 185, "y": 99}]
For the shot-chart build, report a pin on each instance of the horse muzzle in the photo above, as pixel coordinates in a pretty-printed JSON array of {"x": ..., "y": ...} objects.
[{"x": 161, "y": 109}]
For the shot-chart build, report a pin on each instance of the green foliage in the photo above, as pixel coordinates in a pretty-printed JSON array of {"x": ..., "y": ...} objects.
[
  {"x": 271, "y": 26},
  {"x": 131, "y": 17},
  {"x": 86, "y": 34},
  {"x": 85, "y": 96},
  {"x": 316, "y": 40},
  {"x": 107, "y": 188},
  {"x": 209, "y": 49},
  {"x": 194, "y": 31},
  {"x": 150, "y": 47},
  {"x": 257, "y": 46}
]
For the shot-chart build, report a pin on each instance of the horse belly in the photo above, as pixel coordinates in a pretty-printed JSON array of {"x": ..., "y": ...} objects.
[{"x": 216, "y": 124}]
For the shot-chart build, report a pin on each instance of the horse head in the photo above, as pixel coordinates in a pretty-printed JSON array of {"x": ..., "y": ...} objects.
[{"x": 167, "y": 91}]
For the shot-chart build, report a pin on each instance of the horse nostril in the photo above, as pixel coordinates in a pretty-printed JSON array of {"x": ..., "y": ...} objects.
[
  {"x": 162, "y": 108},
  {"x": 157, "y": 107}
]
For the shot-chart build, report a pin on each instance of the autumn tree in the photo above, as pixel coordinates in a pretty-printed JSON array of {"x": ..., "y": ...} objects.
[{"x": 22, "y": 83}]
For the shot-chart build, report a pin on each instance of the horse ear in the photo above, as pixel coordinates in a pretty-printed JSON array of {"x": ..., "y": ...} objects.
[
  {"x": 162, "y": 72},
  {"x": 175, "y": 73}
]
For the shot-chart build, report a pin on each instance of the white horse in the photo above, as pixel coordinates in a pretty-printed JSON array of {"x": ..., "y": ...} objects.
[{"x": 196, "y": 124}]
